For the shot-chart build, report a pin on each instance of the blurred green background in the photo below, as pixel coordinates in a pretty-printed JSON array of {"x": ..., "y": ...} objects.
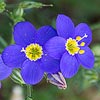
[{"x": 86, "y": 84}]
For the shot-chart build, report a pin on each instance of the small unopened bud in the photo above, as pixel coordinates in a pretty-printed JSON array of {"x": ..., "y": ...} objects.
[
  {"x": 0, "y": 84},
  {"x": 16, "y": 77},
  {"x": 32, "y": 4},
  {"x": 57, "y": 79},
  {"x": 2, "y": 6}
]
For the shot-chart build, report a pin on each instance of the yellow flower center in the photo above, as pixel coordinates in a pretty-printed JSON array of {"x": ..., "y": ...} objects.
[
  {"x": 73, "y": 47},
  {"x": 33, "y": 52}
]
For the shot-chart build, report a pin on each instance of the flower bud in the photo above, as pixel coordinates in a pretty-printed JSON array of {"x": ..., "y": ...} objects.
[
  {"x": 57, "y": 79},
  {"x": 32, "y": 4},
  {"x": 0, "y": 84},
  {"x": 2, "y": 6},
  {"x": 16, "y": 77}
]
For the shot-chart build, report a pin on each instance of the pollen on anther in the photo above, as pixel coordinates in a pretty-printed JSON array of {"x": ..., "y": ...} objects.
[
  {"x": 81, "y": 51},
  {"x": 82, "y": 44},
  {"x": 78, "y": 38}
]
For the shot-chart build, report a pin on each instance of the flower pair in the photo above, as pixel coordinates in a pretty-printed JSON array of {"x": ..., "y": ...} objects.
[{"x": 47, "y": 50}]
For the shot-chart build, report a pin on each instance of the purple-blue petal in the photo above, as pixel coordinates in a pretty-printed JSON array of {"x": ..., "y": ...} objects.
[
  {"x": 82, "y": 29},
  {"x": 64, "y": 26},
  {"x": 55, "y": 47},
  {"x": 24, "y": 33},
  {"x": 44, "y": 34},
  {"x": 13, "y": 57},
  {"x": 5, "y": 71},
  {"x": 49, "y": 64},
  {"x": 31, "y": 72},
  {"x": 87, "y": 59},
  {"x": 69, "y": 65}
]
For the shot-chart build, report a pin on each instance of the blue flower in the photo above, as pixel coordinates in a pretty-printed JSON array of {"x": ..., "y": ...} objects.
[
  {"x": 71, "y": 46},
  {"x": 5, "y": 71},
  {"x": 28, "y": 53}
]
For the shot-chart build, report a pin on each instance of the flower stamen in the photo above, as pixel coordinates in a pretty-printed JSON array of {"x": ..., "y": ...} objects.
[
  {"x": 78, "y": 38},
  {"x": 82, "y": 44},
  {"x": 81, "y": 51},
  {"x": 73, "y": 46}
]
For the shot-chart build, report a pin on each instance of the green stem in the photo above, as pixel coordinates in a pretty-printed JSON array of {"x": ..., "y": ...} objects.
[{"x": 29, "y": 92}]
